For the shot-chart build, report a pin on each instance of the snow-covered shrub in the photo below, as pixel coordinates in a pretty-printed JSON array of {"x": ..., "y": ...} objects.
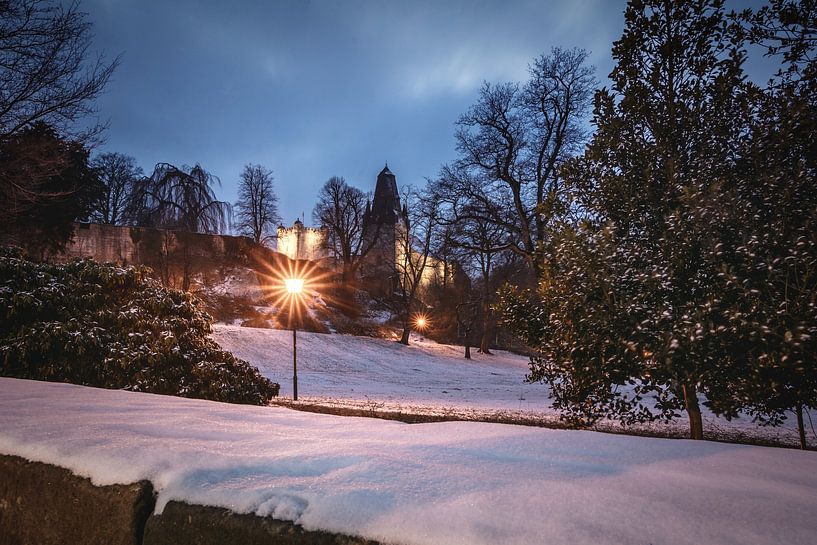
[{"x": 114, "y": 327}]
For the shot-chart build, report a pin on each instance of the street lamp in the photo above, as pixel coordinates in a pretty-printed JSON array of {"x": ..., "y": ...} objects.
[
  {"x": 420, "y": 322},
  {"x": 294, "y": 287}
]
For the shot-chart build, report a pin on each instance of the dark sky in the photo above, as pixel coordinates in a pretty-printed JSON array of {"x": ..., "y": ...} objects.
[{"x": 322, "y": 88}]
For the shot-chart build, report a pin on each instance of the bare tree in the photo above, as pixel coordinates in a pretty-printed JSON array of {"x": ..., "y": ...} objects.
[
  {"x": 481, "y": 239},
  {"x": 46, "y": 86},
  {"x": 257, "y": 205},
  {"x": 340, "y": 210},
  {"x": 45, "y": 72},
  {"x": 413, "y": 244},
  {"x": 512, "y": 143},
  {"x": 467, "y": 311},
  {"x": 119, "y": 173}
]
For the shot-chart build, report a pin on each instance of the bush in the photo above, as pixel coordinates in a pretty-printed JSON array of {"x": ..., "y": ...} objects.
[{"x": 114, "y": 327}]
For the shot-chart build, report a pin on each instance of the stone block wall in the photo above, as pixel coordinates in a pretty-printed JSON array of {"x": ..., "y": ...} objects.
[{"x": 41, "y": 504}]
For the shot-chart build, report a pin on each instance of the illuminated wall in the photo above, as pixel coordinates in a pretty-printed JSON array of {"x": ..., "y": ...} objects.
[{"x": 299, "y": 242}]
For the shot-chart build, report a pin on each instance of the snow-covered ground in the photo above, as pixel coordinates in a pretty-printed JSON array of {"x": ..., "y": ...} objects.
[
  {"x": 443, "y": 483},
  {"x": 429, "y": 378}
]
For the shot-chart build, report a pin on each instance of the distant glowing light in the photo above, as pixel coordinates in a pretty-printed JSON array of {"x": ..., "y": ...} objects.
[
  {"x": 294, "y": 285},
  {"x": 421, "y": 322}
]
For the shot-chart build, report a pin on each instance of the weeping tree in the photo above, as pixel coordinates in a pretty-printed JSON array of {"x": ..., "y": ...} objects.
[{"x": 181, "y": 200}]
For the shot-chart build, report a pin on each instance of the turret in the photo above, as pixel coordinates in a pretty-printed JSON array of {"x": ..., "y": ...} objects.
[{"x": 386, "y": 205}]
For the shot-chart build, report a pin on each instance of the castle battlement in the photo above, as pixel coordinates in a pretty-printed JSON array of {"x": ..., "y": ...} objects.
[{"x": 301, "y": 242}]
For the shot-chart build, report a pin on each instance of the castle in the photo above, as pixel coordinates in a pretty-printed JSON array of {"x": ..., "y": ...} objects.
[
  {"x": 385, "y": 226},
  {"x": 301, "y": 242},
  {"x": 382, "y": 221}
]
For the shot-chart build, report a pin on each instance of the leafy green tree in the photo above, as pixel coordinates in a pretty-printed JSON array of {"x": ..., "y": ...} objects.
[
  {"x": 769, "y": 249},
  {"x": 629, "y": 296},
  {"x": 112, "y": 327}
]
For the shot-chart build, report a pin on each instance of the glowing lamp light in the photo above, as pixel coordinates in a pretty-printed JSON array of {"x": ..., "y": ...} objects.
[
  {"x": 294, "y": 285},
  {"x": 421, "y": 322}
]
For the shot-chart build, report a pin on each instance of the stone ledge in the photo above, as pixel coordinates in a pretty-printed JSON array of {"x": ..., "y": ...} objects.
[
  {"x": 184, "y": 524},
  {"x": 41, "y": 504}
]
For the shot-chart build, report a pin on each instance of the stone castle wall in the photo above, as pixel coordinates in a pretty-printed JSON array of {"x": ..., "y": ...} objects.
[
  {"x": 139, "y": 245},
  {"x": 176, "y": 255}
]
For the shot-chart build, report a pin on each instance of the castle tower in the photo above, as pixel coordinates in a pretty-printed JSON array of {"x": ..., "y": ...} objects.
[
  {"x": 381, "y": 223},
  {"x": 301, "y": 242},
  {"x": 386, "y": 204}
]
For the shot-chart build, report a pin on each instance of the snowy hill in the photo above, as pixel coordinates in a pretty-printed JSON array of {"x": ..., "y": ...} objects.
[
  {"x": 363, "y": 368},
  {"x": 427, "y": 378},
  {"x": 445, "y": 483}
]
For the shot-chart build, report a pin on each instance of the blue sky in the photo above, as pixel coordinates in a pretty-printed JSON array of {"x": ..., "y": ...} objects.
[{"x": 322, "y": 88}]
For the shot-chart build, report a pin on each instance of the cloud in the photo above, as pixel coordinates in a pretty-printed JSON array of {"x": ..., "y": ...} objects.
[{"x": 461, "y": 71}]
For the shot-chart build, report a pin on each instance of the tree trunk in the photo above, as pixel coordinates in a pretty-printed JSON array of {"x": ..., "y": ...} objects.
[
  {"x": 800, "y": 427},
  {"x": 696, "y": 425},
  {"x": 186, "y": 276},
  {"x": 467, "y": 350},
  {"x": 404, "y": 339},
  {"x": 186, "y": 265},
  {"x": 346, "y": 301},
  {"x": 485, "y": 343}
]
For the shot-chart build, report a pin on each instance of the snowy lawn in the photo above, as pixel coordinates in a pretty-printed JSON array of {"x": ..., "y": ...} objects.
[
  {"x": 433, "y": 379},
  {"x": 443, "y": 483}
]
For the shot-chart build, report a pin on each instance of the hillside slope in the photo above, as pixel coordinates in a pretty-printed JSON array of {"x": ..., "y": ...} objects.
[{"x": 426, "y": 378}]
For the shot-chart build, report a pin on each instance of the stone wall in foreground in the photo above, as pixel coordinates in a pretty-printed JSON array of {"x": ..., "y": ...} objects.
[
  {"x": 41, "y": 504},
  {"x": 44, "y": 504}
]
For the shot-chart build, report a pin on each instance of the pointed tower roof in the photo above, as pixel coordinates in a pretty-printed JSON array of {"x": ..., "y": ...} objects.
[{"x": 386, "y": 203}]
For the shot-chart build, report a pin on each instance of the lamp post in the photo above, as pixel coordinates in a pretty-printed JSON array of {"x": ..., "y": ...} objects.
[{"x": 294, "y": 287}]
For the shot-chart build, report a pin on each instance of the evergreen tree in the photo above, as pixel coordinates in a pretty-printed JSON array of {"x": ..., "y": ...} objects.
[
  {"x": 769, "y": 249},
  {"x": 113, "y": 327},
  {"x": 630, "y": 295},
  {"x": 46, "y": 184}
]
